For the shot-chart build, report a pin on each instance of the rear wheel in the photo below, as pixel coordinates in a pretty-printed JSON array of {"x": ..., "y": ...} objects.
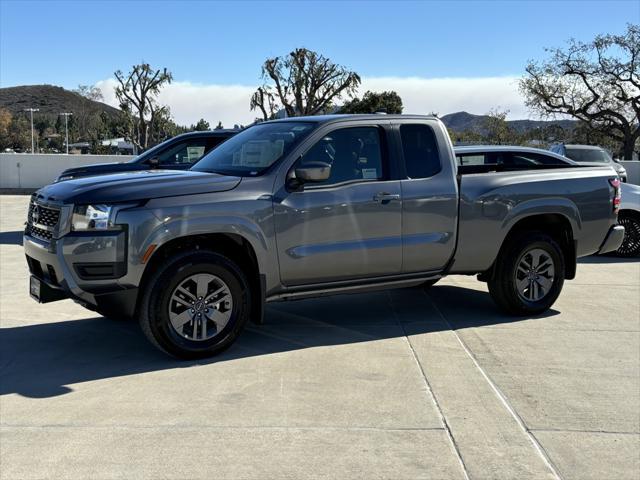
[
  {"x": 631, "y": 243},
  {"x": 529, "y": 275},
  {"x": 196, "y": 305}
]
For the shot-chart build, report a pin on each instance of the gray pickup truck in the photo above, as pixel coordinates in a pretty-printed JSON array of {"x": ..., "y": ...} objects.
[{"x": 312, "y": 206}]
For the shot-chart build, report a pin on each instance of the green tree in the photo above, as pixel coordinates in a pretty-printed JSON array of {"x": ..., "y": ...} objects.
[
  {"x": 201, "y": 126},
  {"x": 372, "y": 102},
  {"x": 137, "y": 92},
  {"x": 496, "y": 128},
  {"x": 219, "y": 126},
  {"x": 302, "y": 83},
  {"x": 597, "y": 82},
  {"x": 20, "y": 133},
  {"x": 5, "y": 126}
]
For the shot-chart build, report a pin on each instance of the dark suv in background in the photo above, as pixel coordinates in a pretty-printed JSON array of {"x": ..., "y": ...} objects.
[
  {"x": 589, "y": 155},
  {"x": 177, "y": 153}
]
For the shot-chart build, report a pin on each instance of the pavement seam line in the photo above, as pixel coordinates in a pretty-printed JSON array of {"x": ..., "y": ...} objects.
[
  {"x": 443, "y": 419},
  {"x": 568, "y": 430},
  {"x": 534, "y": 441}
]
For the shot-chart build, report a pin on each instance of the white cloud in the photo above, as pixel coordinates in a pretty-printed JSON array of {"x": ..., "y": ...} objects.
[
  {"x": 230, "y": 103},
  {"x": 189, "y": 102},
  {"x": 448, "y": 95}
]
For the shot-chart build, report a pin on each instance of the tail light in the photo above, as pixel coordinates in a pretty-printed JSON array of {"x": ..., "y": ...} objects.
[{"x": 615, "y": 183}]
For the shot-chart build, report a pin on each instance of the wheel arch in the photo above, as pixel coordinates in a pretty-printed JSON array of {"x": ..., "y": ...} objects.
[
  {"x": 234, "y": 246},
  {"x": 556, "y": 225}
]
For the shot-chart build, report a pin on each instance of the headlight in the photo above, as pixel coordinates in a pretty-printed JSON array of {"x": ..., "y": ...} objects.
[{"x": 91, "y": 217}]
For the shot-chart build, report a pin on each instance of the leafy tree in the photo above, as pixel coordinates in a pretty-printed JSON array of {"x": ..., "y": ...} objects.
[
  {"x": 372, "y": 102},
  {"x": 219, "y": 126},
  {"x": 20, "y": 133},
  {"x": 201, "y": 126},
  {"x": 5, "y": 125},
  {"x": 164, "y": 127},
  {"x": 137, "y": 93},
  {"x": 497, "y": 130},
  {"x": 86, "y": 120},
  {"x": 597, "y": 83},
  {"x": 302, "y": 83}
]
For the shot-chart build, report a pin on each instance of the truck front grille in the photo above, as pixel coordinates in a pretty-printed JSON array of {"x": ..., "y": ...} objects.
[
  {"x": 41, "y": 215},
  {"x": 42, "y": 220},
  {"x": 39, "y": 233}
]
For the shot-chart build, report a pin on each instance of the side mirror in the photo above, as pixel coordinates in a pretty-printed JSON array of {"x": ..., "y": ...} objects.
[
  {"x": 154, "y": 162},
  {"x": 313, "y": 172}
]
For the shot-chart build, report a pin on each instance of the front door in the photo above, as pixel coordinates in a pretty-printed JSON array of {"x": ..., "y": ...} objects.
[{"x": 348, "y": 226}]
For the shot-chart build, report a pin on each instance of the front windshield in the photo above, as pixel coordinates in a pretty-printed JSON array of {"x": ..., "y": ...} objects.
[
  {"x": 594, "y": 155},
  {"x": 254, "y": 150}
]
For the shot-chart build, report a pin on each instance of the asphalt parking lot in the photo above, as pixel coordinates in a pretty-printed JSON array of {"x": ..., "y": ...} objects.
[{"x": 399, "y": 384}]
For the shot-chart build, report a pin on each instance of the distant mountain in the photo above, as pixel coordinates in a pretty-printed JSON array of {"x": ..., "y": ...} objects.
[
  {"x": 51, "y": 100},
  {"x": 465, "y": 122}
]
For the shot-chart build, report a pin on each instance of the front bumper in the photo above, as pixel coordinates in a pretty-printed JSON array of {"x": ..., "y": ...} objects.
[
  {"x": 613, "y": 240},
  {"x": 83, "y": 267}
]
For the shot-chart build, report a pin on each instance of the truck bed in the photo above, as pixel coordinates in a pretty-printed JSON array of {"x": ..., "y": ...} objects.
[{"x": 492, "y": 202}]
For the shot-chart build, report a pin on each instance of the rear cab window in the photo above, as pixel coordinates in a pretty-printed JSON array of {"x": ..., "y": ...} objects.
[{"x": 420, "y": 150}]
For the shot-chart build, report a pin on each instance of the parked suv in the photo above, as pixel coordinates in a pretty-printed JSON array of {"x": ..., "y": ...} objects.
[
  {"x": 177, "y": 153},
  {"x": 305, "y": 207},
  {"x": 589, "y": 155}
]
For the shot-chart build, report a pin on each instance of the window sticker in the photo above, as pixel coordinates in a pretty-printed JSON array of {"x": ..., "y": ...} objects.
[
  {"x": 370, "y": 173},
  {"x": 194, "y": 153}
]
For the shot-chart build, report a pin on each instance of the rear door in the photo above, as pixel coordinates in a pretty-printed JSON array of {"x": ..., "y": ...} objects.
[
  {"x": 429, "y": 197},
  {"x": 349, "y": 226}
]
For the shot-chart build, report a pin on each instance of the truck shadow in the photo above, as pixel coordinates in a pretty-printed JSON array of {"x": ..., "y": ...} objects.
[
  {"x": 11, "y": 238},
  {"x": 599, "y": 259},
  {"x": 40, "y": 361}
]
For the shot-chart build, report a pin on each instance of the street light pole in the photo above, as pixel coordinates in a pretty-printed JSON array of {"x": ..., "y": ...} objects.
[
  {"x": 66, "y": 129},
  {"x": 31, "y": 110}
]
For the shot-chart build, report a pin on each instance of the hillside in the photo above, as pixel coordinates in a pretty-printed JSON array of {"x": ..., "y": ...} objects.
[
  {"x": 465, "y": 122},
  {"x": 51, "y": 100}
]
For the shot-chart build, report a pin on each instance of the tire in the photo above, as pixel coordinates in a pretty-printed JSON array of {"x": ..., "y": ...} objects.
[
  {"x": 180, "y": 281},
  {"x": 430, "y": 283},
  {"x": 631, "y": 244},
  {"x": 542, "y": 282}
]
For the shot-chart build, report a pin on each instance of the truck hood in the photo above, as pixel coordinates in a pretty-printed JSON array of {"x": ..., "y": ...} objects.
[
  {"x": 133, "y": 186},
  {"x": 102, "y": 168}
]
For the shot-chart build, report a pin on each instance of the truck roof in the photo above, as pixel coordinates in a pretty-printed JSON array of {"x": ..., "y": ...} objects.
[
  {"x": 221, "y": 132},
  {"x": 337, "y": 117}
]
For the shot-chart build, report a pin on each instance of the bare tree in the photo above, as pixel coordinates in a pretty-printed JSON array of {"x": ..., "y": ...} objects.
[
  {"x": 138, "y": 91},
  {"x": 596, "y": 82},
  {"x": 90, "y": 91},
  {"x": 302, "y": 83}
]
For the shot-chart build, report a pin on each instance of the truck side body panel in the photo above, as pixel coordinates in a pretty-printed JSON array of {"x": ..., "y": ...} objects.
[{"x": 491, "y": 204}]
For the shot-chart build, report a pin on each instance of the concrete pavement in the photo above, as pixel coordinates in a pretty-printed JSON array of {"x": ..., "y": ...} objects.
[{"x": 396, "y": 385}]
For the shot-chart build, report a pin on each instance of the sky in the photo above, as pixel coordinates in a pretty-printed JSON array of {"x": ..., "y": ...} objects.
[{"x": 440, "y": 56}]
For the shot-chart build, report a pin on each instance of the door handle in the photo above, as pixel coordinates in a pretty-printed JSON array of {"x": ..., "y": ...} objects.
[{"x": 384, "y": 197}]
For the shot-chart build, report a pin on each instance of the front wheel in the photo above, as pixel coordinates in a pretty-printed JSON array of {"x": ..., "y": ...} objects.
[
  {"x": 195, "y": 305},
  {"x": 528, "y": 275}
]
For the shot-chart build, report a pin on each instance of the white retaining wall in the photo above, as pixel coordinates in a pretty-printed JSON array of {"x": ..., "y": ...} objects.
[
  {"x": 633, "y": 171},
  {"x": 29, "y": 171}
]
